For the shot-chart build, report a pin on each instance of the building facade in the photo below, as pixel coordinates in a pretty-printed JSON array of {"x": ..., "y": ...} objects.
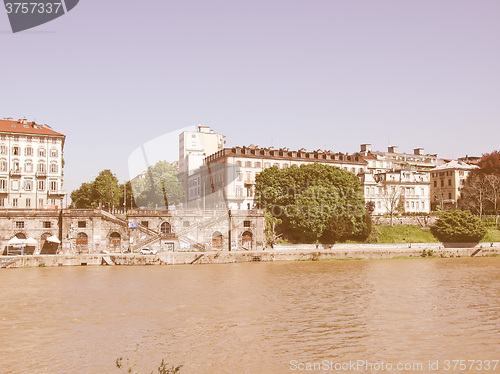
[
  {"x": 194, "y": 147},
  {"x": 227, "y": 179},
  {"x": 403, "y": 191},
  {"x": 94, "y": 230},
  {"x": 446, "y": 182},
  {"x": 31, "y": 165}
]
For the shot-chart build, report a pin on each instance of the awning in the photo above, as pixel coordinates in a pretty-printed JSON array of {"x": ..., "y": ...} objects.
[
  {"x": 53, "y": 239},
  {"x": 30, "y": 241},
  {"x": 15, "y": 240}
]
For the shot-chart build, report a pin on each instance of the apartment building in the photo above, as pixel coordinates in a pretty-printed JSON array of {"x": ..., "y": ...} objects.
[
  {"x": 31, "y": 165},
  {"x": 227, "y": 179},
  {"x": 402, "y": 191},
  {"x": 194, "y": 147},
  {"x": 380, "y": 162},
  {"x": 446, "y": 182}
]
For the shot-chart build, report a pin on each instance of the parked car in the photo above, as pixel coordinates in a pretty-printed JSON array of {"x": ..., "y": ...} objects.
[{"x": 148, "y": 251}]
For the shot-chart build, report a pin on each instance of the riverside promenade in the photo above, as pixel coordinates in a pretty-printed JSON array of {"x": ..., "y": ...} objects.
[{"x": 278, "y": 253}]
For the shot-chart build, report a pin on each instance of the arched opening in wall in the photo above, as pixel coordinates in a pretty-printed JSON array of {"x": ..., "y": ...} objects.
[
  {"x": 217, "y": 240},
  {"x": 115, "y": 242},
  {"x": 246, "y": 240},
  {"x": 82, "y": 242},
  {"x": 20, "y": 235},
  {"x": 165, "y": 229},
  {"x": 46, "y": 246}
]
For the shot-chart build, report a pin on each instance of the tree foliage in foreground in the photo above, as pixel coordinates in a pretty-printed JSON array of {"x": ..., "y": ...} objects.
[
  {"x": 148, "y": 190},
  {"x": 314, "y": 203},
  {"x": 458, "y": 226},
  {"x": 104, "y": 191}
]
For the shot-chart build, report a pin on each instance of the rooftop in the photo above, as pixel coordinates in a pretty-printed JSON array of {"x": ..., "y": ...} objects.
[{"x": 22, "y": 126}]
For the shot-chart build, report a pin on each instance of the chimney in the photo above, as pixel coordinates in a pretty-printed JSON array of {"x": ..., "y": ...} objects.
[
  {"x": 366, "y": 147},
  {"x": 393, "y": 149},
  {"x": 418, "y": 151}
]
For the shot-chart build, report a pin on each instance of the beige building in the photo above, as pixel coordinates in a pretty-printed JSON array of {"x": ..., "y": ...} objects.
[
  {"x": 446, "y": 182},
  {"x": 403, "y": 191},
  {"x": 235, "y": 170},
  {"x": 194, "y": 147},
  {"x": 31, "y": 165},
  {"x": 379, "y": 162}
]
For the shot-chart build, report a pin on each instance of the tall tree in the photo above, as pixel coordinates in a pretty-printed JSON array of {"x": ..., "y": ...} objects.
[
  {"x": 160, "y": 181},
  {"x": 490, "y": 163},
  {"x": 311, "y": 200},
  {"x": 104, "y": 191}
]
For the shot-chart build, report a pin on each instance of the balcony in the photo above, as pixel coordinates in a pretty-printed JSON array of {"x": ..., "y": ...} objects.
[
  {"x": 58, "y": 193},
  {"x": 15, "y": 172},
  {"x": 41, "y": 174}
]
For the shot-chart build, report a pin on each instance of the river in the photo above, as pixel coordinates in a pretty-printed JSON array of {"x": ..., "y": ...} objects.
[{"x": 253, "y": 317}]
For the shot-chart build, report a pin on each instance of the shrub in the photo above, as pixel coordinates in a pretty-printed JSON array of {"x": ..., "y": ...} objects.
[{"x": 458, "y": 226}]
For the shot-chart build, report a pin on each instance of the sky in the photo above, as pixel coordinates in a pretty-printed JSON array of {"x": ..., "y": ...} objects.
[{"x": 319, "y": 74}]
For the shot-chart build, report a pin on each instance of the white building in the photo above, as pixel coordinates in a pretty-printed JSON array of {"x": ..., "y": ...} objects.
[
  {"x": 194, "y": 147},
  {"x": 402, "y": 191},
  {"x": 380, "y": 162},
  {"x": 235, "y": 170},
  {"x": 31, "y": 165}
]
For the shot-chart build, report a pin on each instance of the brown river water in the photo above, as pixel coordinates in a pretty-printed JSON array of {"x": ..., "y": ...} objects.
[{"x": 255, "y": 317}]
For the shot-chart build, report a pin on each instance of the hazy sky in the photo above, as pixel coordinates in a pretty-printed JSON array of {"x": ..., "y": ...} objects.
[{"x": 113, "y": 75}]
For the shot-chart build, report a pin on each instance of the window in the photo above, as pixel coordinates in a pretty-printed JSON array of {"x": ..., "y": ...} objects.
[
  {"x": 449, "y": 182},
  {"x": 2, "y": 201},
  {"x": 19, "y": 224},
  {"x": 42, "y": 140},
  {"x": 14, "y": 202},
  {"x": 3, "y": 149},
  {"x": 267, "y": 165},
  {"x": 3, "y": 165},
  {"x": 16, "y": 151},
  {"x": 238, "y": 163},
  {"x": 41, "y": 167},
  {"x": 41, "y": 186},
  {"x": 442, "y": 182},
  {"x": 239, "y": 191},
  {"x": 249, "y": 176},
  {"x": 53, "y": 185},
  {"x": 41, "y": 152},
  {"x": 47, "y": 224},
  {"x": 285, "y": 166},
  {"x": 449, "y": 195},
  {"x": 28, "y": 184},
  {"x": 246, "y": 223},
  {"x": 240, "y": 176},
  {"x": 53, "y": 168},
  {"x": 82, "y": 224},
  {"x": 145, "y": 223},
  {"x": 435, "y": 183},
  {"x": 53, "y": 153},
  {"x": 28, "y": 202},
  {"x": 28, "y": 151},
  {"x": 3, "y": 184},
  {"x": 248, "y": 164},
  {"x": 40, "y": 202},
  {"x": 257, "y": 164},
  {"x": 15, "y": 184},
  {"x": 54, "y": 141}
]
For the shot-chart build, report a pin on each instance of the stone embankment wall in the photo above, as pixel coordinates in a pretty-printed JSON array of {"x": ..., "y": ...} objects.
[{"x": 279, "y": 253}]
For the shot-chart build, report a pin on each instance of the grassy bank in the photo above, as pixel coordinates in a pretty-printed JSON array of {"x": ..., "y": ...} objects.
[{"x": 415, "y": 234}]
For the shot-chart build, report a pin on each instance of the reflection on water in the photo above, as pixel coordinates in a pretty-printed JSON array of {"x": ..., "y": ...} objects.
[{"x": 251, "y": 317}]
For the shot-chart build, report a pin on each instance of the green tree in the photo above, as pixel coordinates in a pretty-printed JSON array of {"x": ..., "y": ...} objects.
[
  {"x": 458, "y": 226},
  {"x": 149, "y": 188},
  {"x": 312, "y": 201},
  {"x": 104, "y": 191}
]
